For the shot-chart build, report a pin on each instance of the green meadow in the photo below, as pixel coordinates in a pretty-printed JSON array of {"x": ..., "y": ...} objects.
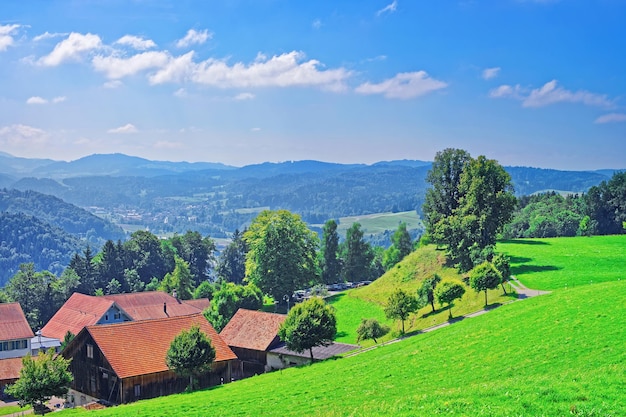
[
  {"x": 550, "y": 264},
  {"x": 378, "y": 222},
  {"x": 559, "y": 354}
]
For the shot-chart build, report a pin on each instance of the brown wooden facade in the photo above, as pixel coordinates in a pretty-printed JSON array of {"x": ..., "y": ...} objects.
[{"x": 94, "y": 375}]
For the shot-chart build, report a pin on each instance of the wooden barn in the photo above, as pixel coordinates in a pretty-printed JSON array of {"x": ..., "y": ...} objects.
[
  {"x": 251, "y": 334},
  {"x": 125, "y": 362}
]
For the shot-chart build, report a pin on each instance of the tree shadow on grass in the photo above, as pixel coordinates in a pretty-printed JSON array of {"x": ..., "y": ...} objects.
[
  {"x": 530, "y": 269},
  {"x": 525, "y": 242},
  {"x": 341, "y": 334},
  {"x": 519, "y": 259},
  {"x": 335, "y": 297}
]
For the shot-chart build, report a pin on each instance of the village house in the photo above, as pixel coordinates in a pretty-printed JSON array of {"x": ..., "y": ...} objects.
[
  {"x": 82, "y": 310},
  {"x": 125, "y": 362},
  {"x": 251, "y": 334},
  {"x": 15, "y": 339}
]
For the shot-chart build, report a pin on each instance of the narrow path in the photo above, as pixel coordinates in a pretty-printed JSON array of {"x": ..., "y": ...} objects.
[{"x": 522, "y": 293}]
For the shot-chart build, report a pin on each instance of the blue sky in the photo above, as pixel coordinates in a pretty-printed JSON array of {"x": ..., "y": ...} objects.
[{"x": 527, "y": 82}]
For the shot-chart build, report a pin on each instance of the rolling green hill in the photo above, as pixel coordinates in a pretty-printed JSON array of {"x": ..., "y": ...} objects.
[
  {"x": 566, "y": 262},
  {"x": 560, "y": 354}
]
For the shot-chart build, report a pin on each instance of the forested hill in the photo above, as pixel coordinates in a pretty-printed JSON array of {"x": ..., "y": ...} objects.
[
  {"x": 25, "y": 239},
  {"x": 56, "y": 212}
]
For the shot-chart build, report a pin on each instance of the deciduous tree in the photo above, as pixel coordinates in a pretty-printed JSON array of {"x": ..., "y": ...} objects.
[
  {"x": 329, "y": 254},
  {"x": 447, "y": 292},
  {"x": 41, "y": 379},
  {"x": 231, "y": 265},
  {"x": 309, "y": 324},
  {"x": 190, "y": 354},
  {"x": 426, "y": 292},
  {"x": 230, "y": 298},
  {"x": 282, "y": 254},
  {"x": 485, "y": 277},
  {"x": 400, "y": 305},
  {"x": 371, "y": 329}
]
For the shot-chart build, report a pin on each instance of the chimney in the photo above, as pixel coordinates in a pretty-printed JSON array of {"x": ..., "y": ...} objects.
[
  {"x": 174, "y": 294},
  {"x": 165, "y": 308}
]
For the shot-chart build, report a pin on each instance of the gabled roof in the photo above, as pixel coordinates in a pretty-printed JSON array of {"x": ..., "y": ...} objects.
[
  {"x": 13, "y": 324},
  {"x": 79, "y": 310},
  {"x": 140, "y": 347},
  {"x": 255, "y": 330},
  {"x": 319, "y": 352},
  {"x": 10, "y": 369},
  {"x": 200, "y": 303},
  {"x": 149, "y": 305},
  {"x": 82, "y": 310}
]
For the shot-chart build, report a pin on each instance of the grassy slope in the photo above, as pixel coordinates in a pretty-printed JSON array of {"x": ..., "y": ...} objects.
[
  {"x": 368, "y": 301},
  {"x": 566, "y": 262},
  {"x": 558, "y": 354}
]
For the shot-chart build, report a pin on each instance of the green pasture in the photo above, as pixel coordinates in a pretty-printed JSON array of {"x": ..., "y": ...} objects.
[
  {"x": 369, "y": 301},
  {"x": 560, "y": 354},
  {"x": 566, "y": 262}
]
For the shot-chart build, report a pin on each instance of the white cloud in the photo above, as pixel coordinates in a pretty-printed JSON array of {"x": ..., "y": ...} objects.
[
  {"x": 36, "y": 100},
  {"x": 611, "y": 118},
  {"x": 113, "y": 84},
  {"x": 6, "y": 36},
  {"x": 317, "y": 23},
  {"x": 59, "y": 99},
  {"x": 405, "y": 86},
  {"x": 116, "y": 67},
  {"x": 550, "y": 93},
  {"x": 489, "y": 73},
  {"x": 181, "y": 92},
  {"x": 244, "y": 96},
  {"x": 136, "y": 42},
  {"x": 390, "y": 8},
  {"x": 127, "y": 128},
  {"x": 175, "y": 69},
  {"x": 194, "y": 37},
  {"x": 19, "y": 135},
  {"x": 255, "y": 129},
  {"x": 48, "y": 35},
  {"x": 71, "y": 49},
  {"x": 286, "y": 70}
]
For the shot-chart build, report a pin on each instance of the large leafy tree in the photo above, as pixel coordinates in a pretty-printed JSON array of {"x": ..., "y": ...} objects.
[
  {"x": 329, "y": 253},
  {"x": 485, "y": 277},
  {"x": 190, "y": 354},
  {"x": 41, "y": 379},
  {"x": 198, "y": 252},
  {"x": 469, "y": 203},
  {"x": 606, "y": 205},
  {"x": 401, "y": 246},
  {"x": 400, "y": 305},
  {"x": 35, "y": 291},
  {"x": 357, "y": 255},
  {"x": 147, "y": 257},
  {"x": 179, "y": 280},
  {"x": 309, "y": 324},
  {"x": 231, "y": 265},
  {"x": 282, "y": 253},
  {"x": 230, "y": 298},
  {"x": 447, "y": 292}
]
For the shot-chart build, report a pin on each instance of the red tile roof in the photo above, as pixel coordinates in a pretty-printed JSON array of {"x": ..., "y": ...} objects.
[
  {"x": 13, "y": 324},
  {"x": 79, "y": 310},
  {"x": 82, "y": 310},
  {"x": 201, "y": 303},
  {"x": 149, "y": 305},
  {"x": 140, "y": 347},
  {"x": 10, "y": 369},
  {"x": 254, "y": 330}
]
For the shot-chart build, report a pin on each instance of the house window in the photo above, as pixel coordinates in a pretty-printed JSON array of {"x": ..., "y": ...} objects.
[
  {"x": 3, "y": 346},
  {"x": 106, "y": 317},
  {"x": 137, "y": 390},
  {"x": 117, "y": 316},
  {"x": 92, "y": 383},
  {"x": 24, "y": 344},
  {"x": 90, "y": 351}
]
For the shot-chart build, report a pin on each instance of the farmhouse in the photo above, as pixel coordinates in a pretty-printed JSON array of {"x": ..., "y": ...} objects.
[
  {"x": 15, "y": 333},
  {"x": 82, "y": 310},
  {"x": 251, "y": 334},
  {"x": 9, "y": 373},
  {"x": 281, "y": 357},
  {"x": 125, "y": 362}
]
